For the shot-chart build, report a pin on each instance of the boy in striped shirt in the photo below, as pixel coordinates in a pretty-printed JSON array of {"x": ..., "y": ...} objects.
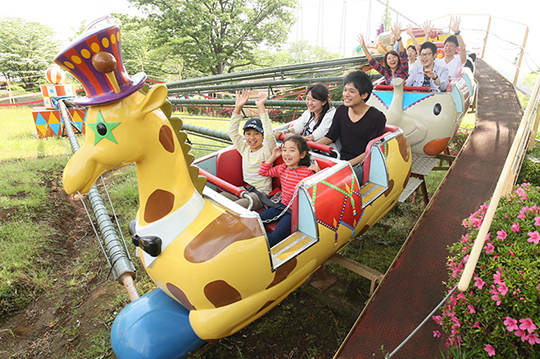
[{"x": 255, "y": 146}]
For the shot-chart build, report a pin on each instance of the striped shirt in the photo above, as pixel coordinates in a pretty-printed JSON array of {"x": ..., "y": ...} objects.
[
  {"x": 251, "y": 161},
  {"x": 289, "y": 178}
]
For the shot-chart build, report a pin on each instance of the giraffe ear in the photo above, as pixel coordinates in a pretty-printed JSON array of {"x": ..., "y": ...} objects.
[{"x": 154, "y": 99}]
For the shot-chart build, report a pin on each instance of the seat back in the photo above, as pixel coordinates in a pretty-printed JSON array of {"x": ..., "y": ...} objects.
[
  {"x": 367, "y": 159},
  {"x": 229, "y": 167}
]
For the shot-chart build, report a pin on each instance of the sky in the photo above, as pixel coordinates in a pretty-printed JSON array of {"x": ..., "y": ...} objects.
[{"x": 334, "y": 24}]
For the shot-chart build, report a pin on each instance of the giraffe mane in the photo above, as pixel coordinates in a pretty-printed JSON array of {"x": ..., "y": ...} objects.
[{"x": 198, "y": 181}]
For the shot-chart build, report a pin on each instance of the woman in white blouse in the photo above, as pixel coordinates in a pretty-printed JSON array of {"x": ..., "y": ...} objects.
[{"x": 316, "y": 120}]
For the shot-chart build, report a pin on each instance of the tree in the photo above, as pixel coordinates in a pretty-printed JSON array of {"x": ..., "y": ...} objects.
[
  {"x": 140, "y": 51},
  {"x": 27, "y": 49},
  {"x": 387, "y": 17},
  {"x": 217, "y": 36}
]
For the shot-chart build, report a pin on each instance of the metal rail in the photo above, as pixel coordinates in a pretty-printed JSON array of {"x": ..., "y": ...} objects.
[
  {"x": 258, "y": 84},
  {"x": 121, "y": 265},
  {"x": 232, "y": 101},
  {"x": 278, "y": 71}
]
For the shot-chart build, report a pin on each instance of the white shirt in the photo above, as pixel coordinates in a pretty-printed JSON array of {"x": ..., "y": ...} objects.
[
  {"x": 303, "y": 121},
  {"x": 454, "y": 66}
]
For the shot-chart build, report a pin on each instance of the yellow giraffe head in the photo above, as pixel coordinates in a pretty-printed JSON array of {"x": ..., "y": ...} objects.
[{"x": 136, "y": 129}]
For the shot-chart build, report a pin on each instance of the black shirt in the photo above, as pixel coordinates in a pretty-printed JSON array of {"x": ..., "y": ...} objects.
[{"x": 355, "y": 135}]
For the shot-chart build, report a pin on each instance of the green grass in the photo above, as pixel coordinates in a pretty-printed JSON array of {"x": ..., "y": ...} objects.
[
  {"x": 19, "y": 137},
  {"x": 24, "y": 232}
]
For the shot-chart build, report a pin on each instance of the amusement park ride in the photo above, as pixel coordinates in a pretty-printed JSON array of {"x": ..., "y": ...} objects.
[{"x": 210, "y": 258}]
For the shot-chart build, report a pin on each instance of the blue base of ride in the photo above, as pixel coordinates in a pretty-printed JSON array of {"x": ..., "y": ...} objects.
[{"x": 153, "y": 327}]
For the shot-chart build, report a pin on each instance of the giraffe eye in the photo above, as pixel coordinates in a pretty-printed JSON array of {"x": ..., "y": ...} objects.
[{"x": 101, "y": 129}]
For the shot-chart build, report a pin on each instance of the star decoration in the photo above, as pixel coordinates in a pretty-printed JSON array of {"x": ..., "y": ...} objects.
[{"x": 103, "y": 129}]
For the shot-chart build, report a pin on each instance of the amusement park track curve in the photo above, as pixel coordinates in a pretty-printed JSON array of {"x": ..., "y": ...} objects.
[{"x": 413, "y": 286}]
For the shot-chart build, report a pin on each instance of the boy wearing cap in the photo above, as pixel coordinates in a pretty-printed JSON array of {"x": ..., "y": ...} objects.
[{"x": 255, "y": 147}]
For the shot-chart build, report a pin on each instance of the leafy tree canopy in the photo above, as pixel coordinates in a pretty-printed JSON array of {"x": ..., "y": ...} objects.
[
  {"x": 26, "y": 51},
  {"x": 140, "y": 52},
  {"x": 217, "y": 36}
]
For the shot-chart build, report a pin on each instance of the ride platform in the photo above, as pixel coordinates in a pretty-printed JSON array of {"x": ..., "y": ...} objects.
[{"x": 413, "y": 287}]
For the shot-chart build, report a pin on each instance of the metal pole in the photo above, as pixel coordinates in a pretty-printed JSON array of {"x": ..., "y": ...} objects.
[
  {"x": 521, "y": 53},
  {"x": 206, "y": 131},
  {"x": 232, "y": 101},
  {"x": 269, "y": 71},
  {"x": 122, "y": 267},
  {"x": 258, "y": 84},
  {"x": 486, "y": 38}
]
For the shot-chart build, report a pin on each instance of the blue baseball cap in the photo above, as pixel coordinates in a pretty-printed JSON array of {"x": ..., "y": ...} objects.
[{"x": 255, "y": 123}]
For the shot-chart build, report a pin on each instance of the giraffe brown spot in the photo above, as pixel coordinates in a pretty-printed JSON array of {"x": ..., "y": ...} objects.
[
  {"x": 404, "y": 147},
  {"x": 166, "y": 138},
  {"x": 221, "y": 293},
  {"x": 219, "y": 234},
  {"x": 159, "y": 204},
  {"x": 283, "y": 272},
  {"x": 265, "y": 305},
  {"x": 390, "y": 188},
  {"x": 180, "y": 296}
]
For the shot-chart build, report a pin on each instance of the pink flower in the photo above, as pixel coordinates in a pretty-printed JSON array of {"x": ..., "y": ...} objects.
[
  {"x": 498, "y": 277},
  {"x": 438, "y": 319},
  {"x": 436, "y": 333},
  {"x": 533, "y": 339},
  {"x": 537, "y": 221},
  {"x": 527, "y": 324},
  {"x": 511, "y": 324},
  {"x": 503, "y": 289},
  {"x": 522, "y": 212},
  {"x": 521, "y": 193},
  {"x": 511, "y": 253},
  {"x": 476, "y": 325},
  {"x": 489, "y": 248},
  {"x": 476, "y": 222},
  {"x": 520, "y": 333},
  {"x": 515, "y": 227},
  {"x": 490, "y": 350},
  {"x": 502, "y": 234},
  {"x": 534, "y": 237},
  {"x": 471, "y": 309},
  {"x": 478, "y": 282}
]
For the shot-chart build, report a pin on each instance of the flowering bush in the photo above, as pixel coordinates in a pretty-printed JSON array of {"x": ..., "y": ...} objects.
[{"x": 499, "y": 315}]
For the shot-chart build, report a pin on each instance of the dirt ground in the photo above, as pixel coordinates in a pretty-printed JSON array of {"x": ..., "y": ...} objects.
[
  {"x": 71, "y": 315},
  {"x": 73, "y": 319}
]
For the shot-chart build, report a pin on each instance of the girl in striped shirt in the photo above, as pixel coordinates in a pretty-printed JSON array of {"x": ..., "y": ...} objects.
[{"x": 295, "y": 153}]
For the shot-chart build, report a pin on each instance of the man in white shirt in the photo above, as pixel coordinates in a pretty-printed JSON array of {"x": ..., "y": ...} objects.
[{"x": 453, "y": 63}]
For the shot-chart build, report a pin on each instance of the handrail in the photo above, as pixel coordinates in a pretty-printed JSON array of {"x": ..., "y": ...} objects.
[{"x": 504, "y": 185}]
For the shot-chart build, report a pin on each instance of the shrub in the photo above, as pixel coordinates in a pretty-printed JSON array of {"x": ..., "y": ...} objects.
[{"x": 499, "y": 315}]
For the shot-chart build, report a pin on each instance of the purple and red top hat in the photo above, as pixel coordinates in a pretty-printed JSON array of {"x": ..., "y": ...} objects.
[{"x": 95, "y": 59}]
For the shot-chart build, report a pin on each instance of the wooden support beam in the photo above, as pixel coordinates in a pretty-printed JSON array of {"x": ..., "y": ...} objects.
[{"x": 360, "y": 269}]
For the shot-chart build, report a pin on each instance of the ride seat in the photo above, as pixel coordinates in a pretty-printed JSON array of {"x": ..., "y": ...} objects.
[
  {"x": 229, "y": 167},
  {"x": 367, "y": 160}
]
